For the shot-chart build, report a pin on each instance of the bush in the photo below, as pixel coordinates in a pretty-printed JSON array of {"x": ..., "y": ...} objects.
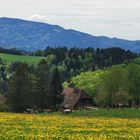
[{"x": 4, "y": 108}]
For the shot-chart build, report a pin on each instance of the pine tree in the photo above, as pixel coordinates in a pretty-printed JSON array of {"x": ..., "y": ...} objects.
[
  {"x": 55, "y": 92},
  {"x": 20, "y": 94},
  {"x": 42, "y": 82}
]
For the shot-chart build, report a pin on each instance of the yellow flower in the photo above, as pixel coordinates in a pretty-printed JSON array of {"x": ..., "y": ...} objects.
[{"x": 54, "y": 127}]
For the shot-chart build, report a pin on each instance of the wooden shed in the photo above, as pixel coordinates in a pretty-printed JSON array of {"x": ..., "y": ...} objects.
[{"x": 76, "y": 98}]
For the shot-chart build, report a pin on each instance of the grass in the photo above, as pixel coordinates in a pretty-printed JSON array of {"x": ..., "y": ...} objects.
[
  {"x": 115, "y": 113},
  {"x": 111, "y": 113},
  {"x": 31, "y": 60}
]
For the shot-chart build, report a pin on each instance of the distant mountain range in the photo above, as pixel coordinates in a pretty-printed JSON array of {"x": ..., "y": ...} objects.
[{"x": 30, "y": 36}]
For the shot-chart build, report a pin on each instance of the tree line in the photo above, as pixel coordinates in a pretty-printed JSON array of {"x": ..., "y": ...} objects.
[
  {"x": 73, "y": 61},
  {"x": 70, "y": 62},
  {"x": 12, "y": 51},
  {"x": 41, "y": 90},
  {"x": 112, "y": 87},
  {"x": 62, "y": 64}
]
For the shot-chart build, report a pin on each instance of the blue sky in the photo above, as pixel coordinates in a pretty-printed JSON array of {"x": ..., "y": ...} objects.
[{"x": 113, "y": 18}]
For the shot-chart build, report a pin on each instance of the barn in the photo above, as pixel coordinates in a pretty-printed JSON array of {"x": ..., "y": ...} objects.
[{"x": 75, "y": 98}]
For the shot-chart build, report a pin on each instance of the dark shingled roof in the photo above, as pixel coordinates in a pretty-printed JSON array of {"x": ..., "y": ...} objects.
[{"x": 72, "y": 96}]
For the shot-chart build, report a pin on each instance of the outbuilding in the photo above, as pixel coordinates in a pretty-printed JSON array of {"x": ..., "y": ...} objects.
[{"x": 75, "y": 98}]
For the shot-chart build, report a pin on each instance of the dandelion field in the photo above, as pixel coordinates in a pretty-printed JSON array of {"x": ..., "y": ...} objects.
[{"x": 56, "y": 127}]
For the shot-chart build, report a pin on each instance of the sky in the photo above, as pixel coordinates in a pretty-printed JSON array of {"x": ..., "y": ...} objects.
[{"x": 112, "y": 18}]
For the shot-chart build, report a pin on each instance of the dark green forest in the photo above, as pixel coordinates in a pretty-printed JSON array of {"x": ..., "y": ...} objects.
[{"x": 113, "y": 74}]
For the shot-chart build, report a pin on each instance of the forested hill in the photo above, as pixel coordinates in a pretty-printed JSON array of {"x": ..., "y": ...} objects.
[
  {"x": 61, "y": 64},
  {"x": 72, "y": 61},
  {"x": 88, "y": 58},
  {"x": 12, "y": 51},
  {"x": 118, "y": 84},
  {"x": 30, "y": 36}
]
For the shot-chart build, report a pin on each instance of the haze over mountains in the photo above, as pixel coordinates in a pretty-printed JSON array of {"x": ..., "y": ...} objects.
[{"x": 30, "y": 36}]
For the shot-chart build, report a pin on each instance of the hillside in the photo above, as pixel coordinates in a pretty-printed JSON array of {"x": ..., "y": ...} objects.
[
  {"x": 30, "y": 36},
  {"x": 92, "y": 81},
  {"x": 22, "y": 58}
]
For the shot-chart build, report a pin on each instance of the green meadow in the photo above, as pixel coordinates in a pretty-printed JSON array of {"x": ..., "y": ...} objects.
[{"x": 31, "y": 60}]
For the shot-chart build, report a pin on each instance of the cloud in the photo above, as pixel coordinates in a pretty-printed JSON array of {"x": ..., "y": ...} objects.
[
  {"x": 99, "y": 17},
  {"x": 38, "y": 18}
]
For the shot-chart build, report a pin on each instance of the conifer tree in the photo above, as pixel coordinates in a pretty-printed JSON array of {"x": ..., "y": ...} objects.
[
  {"x": 42, "y": 82},
  {"x": 20, "y": 94},
  {"x": 55, "y": 92}
]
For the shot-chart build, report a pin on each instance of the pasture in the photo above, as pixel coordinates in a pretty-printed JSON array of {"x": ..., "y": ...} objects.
[{"x": 31, "y": 60}]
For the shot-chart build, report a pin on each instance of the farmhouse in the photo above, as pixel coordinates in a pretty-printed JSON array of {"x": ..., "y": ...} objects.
[{"x": 76, "y": 98}]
